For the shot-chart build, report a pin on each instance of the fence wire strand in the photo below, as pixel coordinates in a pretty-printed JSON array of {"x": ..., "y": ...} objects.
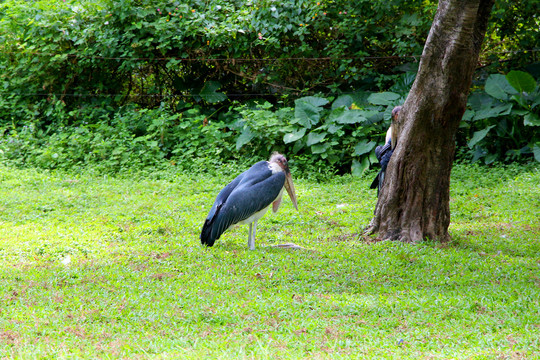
[
  {"x": 416, "y": 58},
  {"x": 205, "y": 59}
]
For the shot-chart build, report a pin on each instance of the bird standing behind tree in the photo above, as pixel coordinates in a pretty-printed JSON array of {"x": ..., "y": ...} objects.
[{"x": 384, "y": 153}]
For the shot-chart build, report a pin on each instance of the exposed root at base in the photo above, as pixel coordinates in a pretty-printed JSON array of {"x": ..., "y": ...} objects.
[
  {"x": 371, "y": 229},
  {"x": 291, "y": 246}
]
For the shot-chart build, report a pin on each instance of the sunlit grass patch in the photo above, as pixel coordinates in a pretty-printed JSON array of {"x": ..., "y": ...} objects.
[{"x": 94, "y": 266}]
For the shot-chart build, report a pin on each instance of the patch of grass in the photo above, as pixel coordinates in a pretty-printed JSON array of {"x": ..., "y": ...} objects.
[{"x": 111, "y": 267}]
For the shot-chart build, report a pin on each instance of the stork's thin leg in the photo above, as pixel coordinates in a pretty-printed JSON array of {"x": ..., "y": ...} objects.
[
  {"x": 251, "y": 238},
  {"x": 254, "y": 232},
  {"x": 249, "y": 235}
]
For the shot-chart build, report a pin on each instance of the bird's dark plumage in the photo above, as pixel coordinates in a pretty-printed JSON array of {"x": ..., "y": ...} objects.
[
  {"x": 251, "y": 192},
  {"x": 383, "y": 154}
]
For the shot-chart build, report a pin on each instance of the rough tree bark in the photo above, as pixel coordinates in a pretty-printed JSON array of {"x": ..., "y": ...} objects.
[{"x": 414, "y": 202}]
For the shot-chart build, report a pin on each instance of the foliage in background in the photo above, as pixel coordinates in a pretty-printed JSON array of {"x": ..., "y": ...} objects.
[
  {"x": 512, "y": 40},
  {"x": 503, "y": 121},
  {"x": 318, "y": 133},
  {"x": 123, "y": 84},
  {"x": 149, "y": 51}
]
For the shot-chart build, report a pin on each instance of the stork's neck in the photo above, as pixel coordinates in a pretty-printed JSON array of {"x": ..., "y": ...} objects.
[{"x": 275, "y": 167}]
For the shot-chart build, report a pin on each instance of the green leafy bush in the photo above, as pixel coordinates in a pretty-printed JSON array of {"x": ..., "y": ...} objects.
[
  {"x": 319, "y": 134},
  {"x": 503, "y": 120},
  {"x": 148, "y": 51},
  {"x": 342, "y": 133},
  {"x": 110, "y": 144},
  {"x": 118, "y": 84}
]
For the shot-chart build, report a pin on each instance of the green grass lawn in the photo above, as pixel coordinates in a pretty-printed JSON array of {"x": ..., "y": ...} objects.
[{"x": 111, "y": 267}]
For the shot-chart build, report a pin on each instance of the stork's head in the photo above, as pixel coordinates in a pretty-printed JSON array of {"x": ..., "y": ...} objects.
[
  {"x": 395, "y": 112},
  {"x": 281, "y": 161}
]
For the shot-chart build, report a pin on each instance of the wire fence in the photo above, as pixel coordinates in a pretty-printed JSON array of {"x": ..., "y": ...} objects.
[
  {"x": 204, "y": 59},
  {"x": 236, "y": 59},
  {"x": 189, "y": 92},
  {"x": 163, "y": 96}
]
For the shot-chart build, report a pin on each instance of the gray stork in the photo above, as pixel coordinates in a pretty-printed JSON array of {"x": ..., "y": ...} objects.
[
  {"x": 383, "y": 153},
  {"x": 248, "y": 197}
]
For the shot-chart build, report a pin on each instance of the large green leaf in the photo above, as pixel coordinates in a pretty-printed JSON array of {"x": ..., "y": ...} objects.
[
  {"x": 498, "y": 87},
  {"x": 372, "y": 115},
  {"x": 334, "y": 128},
  {"x": 208, "y": 92},
  {"x": 384, "y": 98},
  {"x": 358, "y": 167},
  {"x": 343, "y": 100},
  {"x": 313, "y": 100},
  {"x": 244, "y": 138},
  {"x": 536, "y": 101},
  {"x": 479, "y": 135},
  {"x": 307, "y": 110},
  {"x": 536, "y": 151},
  {"x": 315, "y": 138},
  {"x": 299, "y": 145},
  {"x": 336, "y": 113},
  {"x": 490, "y": 158},
  {"x": 490, "y": 112},
  {"x": 363, "y": 147},
  {"x": 521, "y": 81},
  {"x": 531, "y": 119},
  {"x": 479, "y": 153},
  {"x": 480, "y": 100},
  {"x": 344, "y": 116},
  {"x": 296, "y": 135},
  {"x": 320, "y": 148},
  {"x": 468, "y": 115}
]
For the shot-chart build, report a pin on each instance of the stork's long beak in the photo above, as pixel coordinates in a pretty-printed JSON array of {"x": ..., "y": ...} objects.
[
  {"x": 393, "y": 127},
  {"x": 289, "y": 186},
  {"x": 394, "y": 138},
  {"x": 389, "y": 134}
]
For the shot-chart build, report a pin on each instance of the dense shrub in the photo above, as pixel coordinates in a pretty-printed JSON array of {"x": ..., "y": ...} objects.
[
  {"x": 134, "y": 83},
  {"x": 503, "y": 119},
  {"x": 332, "y": 134},
  {"x": 148, "y": 51}
]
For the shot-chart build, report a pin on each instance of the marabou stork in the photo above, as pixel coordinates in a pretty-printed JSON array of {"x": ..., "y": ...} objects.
[
  {"x": 247, "y": 198},
  {"x": 383, "y": 153}
]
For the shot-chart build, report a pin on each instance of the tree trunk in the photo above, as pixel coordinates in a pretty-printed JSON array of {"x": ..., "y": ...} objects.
[{"x": 414, "y": 202}]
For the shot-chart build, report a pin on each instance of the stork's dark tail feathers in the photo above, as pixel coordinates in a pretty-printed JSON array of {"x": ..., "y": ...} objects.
[
  {"x": 212, "y": 230},
  {"x": 375, "y": 182},
  {"x": 206, "y": 233}
]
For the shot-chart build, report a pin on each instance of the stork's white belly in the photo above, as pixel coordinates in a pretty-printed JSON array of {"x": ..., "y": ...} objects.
[
  {"x": 255, "y": 216},
  {"x": 261, "y": 213}
]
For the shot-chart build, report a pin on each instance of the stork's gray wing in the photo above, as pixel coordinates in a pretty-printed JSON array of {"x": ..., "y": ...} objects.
[
  {"x": 381, "y": 150},
  {"x": 248, "y": 200}
]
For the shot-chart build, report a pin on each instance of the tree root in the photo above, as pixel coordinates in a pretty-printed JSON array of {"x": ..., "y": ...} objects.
[{"x": 291, "y": 246}]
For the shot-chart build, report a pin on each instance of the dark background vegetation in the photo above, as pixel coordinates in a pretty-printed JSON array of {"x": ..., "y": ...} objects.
[{"x": 122, "y": 84}]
